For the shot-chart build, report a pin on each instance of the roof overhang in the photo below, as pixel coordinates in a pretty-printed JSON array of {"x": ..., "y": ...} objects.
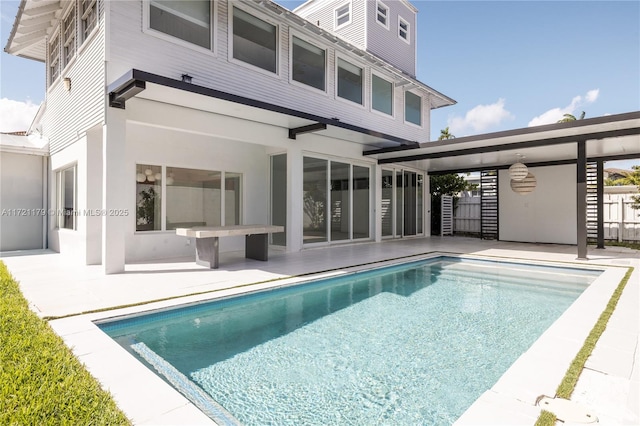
[
  {"x": 144, "y": 85},
  {"x": 34, "y": 22},
  {"x": 24, "y": 144},
  {"x": 607, "y": 138}
]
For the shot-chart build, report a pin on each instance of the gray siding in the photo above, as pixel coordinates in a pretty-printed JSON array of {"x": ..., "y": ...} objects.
[
  {"x": 131, "y": 47},
  {"x": 385, "y": 43},
  {"x": 323, "y": 16},
  {"x": 70, "y": 114}
]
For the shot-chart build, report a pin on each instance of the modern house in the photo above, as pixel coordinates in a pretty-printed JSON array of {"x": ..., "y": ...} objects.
[{"x": 166, "y": 114}]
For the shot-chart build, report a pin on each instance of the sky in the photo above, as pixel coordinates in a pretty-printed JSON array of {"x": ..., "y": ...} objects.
[{"x": 508, "y": 64}]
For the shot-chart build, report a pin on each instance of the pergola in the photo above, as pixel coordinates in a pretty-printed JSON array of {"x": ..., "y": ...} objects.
[{"x": 600, "y": 139}]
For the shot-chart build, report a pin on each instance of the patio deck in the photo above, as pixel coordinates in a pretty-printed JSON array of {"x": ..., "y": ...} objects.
[{"x": 609, "y": 385}]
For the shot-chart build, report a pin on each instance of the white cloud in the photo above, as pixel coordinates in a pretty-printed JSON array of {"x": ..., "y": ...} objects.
[
  {"x": 16, "y": 116},
  {"x": 479, "y": 119},
  {"x": 555, "y": 114}
]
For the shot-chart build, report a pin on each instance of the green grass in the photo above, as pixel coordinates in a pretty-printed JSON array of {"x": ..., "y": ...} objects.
[
  {"x": 568, "y": 384},
  {"x": 41, "y": 381},
  {"x": 627, "y": 244}
]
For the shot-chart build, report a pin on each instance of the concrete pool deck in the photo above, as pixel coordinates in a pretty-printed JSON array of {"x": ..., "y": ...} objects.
[{"x": 609, "y": 385}]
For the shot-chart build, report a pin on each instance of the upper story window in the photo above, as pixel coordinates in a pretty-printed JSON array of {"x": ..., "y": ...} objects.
[
  {"x": 187, "y": 20},
  {"x": 308, "y": 63},
  {"x": 381, "y": 95},
  {"x": 412, "y": 108},
  {"x": 403, "y": 29},
  {"x": 54, "y": 58},
  {"x": 69, "y": 36},
  {"x": 342, "y": 15},
  {"x": 255, "y": 41},
  {"x": 349, "y": 81},
  {"x": 382, "y": 14},
  {"x": 88, "y": 17}
]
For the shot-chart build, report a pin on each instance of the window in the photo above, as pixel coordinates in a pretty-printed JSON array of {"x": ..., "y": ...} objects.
[
  {"x": 148, "y": 192},
  {"x": 381, "y": 95},
  {"x": 412, "y": 108},
  {"x": 254, "y": 41},
  {"x": 382, "y": 14},
  {"x": 66, "y": 198},
  {"x": 69, "y": 36},
  {"x": 403, "y": 30},
  {"x": 187, "y": 20},
  {"x": 343, "y": 15},
  {"x": 349, "y": 81},
  {"x": 54, "y": 58},
  {"x": 88, "y": 17},
  {"x": 193, "y": 198},
  {"x": 308, "y": 64}
]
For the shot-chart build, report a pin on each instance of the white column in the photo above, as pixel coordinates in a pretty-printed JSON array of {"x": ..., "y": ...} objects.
[
  {"x": 114, "y": 194},
  {"x": 94, "y": 195},
  {"x": 294, "y": 195},
  {"x": 376, "y": 183}
]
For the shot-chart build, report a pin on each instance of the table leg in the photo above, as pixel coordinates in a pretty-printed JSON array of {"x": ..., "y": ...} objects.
[
  {"x": 256, "y": 246},
  {"x": 207, "y": 252}
]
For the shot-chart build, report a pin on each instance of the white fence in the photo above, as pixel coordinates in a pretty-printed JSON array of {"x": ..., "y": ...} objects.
[{"x": 621, "y": 222}]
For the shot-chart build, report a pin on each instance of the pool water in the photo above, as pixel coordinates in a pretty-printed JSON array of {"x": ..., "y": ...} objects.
[{"x": 410, "y": 344}]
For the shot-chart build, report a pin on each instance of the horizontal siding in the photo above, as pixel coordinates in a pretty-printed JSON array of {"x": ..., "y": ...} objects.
[
  {"x": 130, "y": 47},
  {"x": 385, "y": 43},
  {"x": 323, "y": 16},
  {"x": 70, "y": 114}
]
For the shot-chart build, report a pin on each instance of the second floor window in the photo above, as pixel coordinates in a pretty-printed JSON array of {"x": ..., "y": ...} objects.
[
  {"x": 412, "y": 108},
  {"x": 403, "y": 29},
  {"x": 349, "y": 81},
  {"x": 382, "y": 14},
  {"x": 187, "y": 20},
  {"x": 254, "y": 41},
  {"x": 54, "y": 58},
  {"x": 308, "y": 63},
  {"x": 381, "y": 95},
  {"x": 69, "y": 36},
  {"x": 88, "y": 17},
  {"x": 343, "y": 15}
]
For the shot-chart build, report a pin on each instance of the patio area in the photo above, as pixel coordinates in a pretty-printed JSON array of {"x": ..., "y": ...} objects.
[{"x": 56, "y": 288}]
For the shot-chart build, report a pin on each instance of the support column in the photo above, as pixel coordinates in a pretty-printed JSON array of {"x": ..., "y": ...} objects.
[
  {"x": 294, "y": 195},
  {"x": 600, "y": 202},
  {"x": 581, "y": 211},
  {"x": 114, "y": 191}
]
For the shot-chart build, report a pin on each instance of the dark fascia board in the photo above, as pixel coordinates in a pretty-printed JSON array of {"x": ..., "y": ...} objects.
[
  {"x": 515, "y": 145},
  {"x": 515, "y": 132},
  {"x": 143, "y": 76}
]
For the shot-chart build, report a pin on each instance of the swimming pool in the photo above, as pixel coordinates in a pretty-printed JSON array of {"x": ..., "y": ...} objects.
[{"x": 415, "y": 343}]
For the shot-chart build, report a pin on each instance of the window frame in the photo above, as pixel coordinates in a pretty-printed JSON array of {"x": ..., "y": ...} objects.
[
  {"x": 356, "y": 64},
  {"x": 411, "y": 123},
  {"x": 406, "y": 39},
  {"x": 336, "y": 16},
  {"x": 54, "y": 58},
  {"x": 386, "y": 14},
  {"x": 261, "y": 17},
  {"x": 68, "y": 31},
  {"x": 60, "y": 195},
  {"x": 87, "y": 27},
  {"x": 213, "y": 14},
  {"x": 326, "y": 63},
  {"x": 393, "y": 95}
]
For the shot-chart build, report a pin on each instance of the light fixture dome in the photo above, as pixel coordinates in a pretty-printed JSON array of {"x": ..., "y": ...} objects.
[
  {"x": 518, "y": 171},
  {"x": 524, "y": 186}
]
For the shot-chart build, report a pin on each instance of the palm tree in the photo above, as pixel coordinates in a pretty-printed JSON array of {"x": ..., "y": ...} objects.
[
  {"x": 444, "y": 134},
  {"x": 568, "y": 117}
]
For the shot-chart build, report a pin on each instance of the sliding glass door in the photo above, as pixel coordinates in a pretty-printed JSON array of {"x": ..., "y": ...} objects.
[
  {"x": 336, "y": 201},
  {"x": 402, "y": 203}
]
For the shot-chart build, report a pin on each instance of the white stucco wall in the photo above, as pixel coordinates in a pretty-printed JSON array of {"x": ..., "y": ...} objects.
[{"x": 547, "y": 215}]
